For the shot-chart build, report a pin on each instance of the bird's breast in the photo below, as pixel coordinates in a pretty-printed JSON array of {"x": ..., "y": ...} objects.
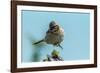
[{"x": 53, "y": 38}]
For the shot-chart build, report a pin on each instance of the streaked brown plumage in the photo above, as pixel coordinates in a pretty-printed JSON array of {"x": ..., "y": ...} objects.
[{"x": 54, "y": 35}]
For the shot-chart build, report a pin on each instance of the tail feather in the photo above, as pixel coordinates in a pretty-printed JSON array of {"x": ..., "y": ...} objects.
[{"x": 38, "y": 42}]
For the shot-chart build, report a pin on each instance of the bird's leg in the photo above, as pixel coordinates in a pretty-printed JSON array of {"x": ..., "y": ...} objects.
[{"x": 60, "y": 46}]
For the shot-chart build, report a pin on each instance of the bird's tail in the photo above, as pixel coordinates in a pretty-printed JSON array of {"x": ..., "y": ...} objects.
[{"x": 39, "y": 42}]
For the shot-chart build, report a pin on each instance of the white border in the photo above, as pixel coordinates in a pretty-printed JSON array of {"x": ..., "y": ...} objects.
[{"x": 41, "y": 64}]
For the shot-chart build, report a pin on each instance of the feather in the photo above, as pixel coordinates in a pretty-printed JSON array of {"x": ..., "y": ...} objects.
[{"x": 39, "y": 41}]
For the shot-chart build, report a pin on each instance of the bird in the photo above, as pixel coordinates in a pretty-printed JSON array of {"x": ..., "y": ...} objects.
[{"x": 54, "y": 35}]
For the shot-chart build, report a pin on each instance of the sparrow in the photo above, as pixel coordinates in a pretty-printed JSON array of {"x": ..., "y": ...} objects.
[{"x": 54, "y": 35}]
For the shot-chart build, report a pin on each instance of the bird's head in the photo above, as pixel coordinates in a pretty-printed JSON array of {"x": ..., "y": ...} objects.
[{"x": 53, "y": 26}]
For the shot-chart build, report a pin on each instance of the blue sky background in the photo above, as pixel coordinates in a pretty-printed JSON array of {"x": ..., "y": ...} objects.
[{"x": 76, "y": 39}]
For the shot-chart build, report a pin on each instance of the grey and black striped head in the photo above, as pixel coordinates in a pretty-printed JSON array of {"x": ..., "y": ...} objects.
[{"x": 52, "y": 24}]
